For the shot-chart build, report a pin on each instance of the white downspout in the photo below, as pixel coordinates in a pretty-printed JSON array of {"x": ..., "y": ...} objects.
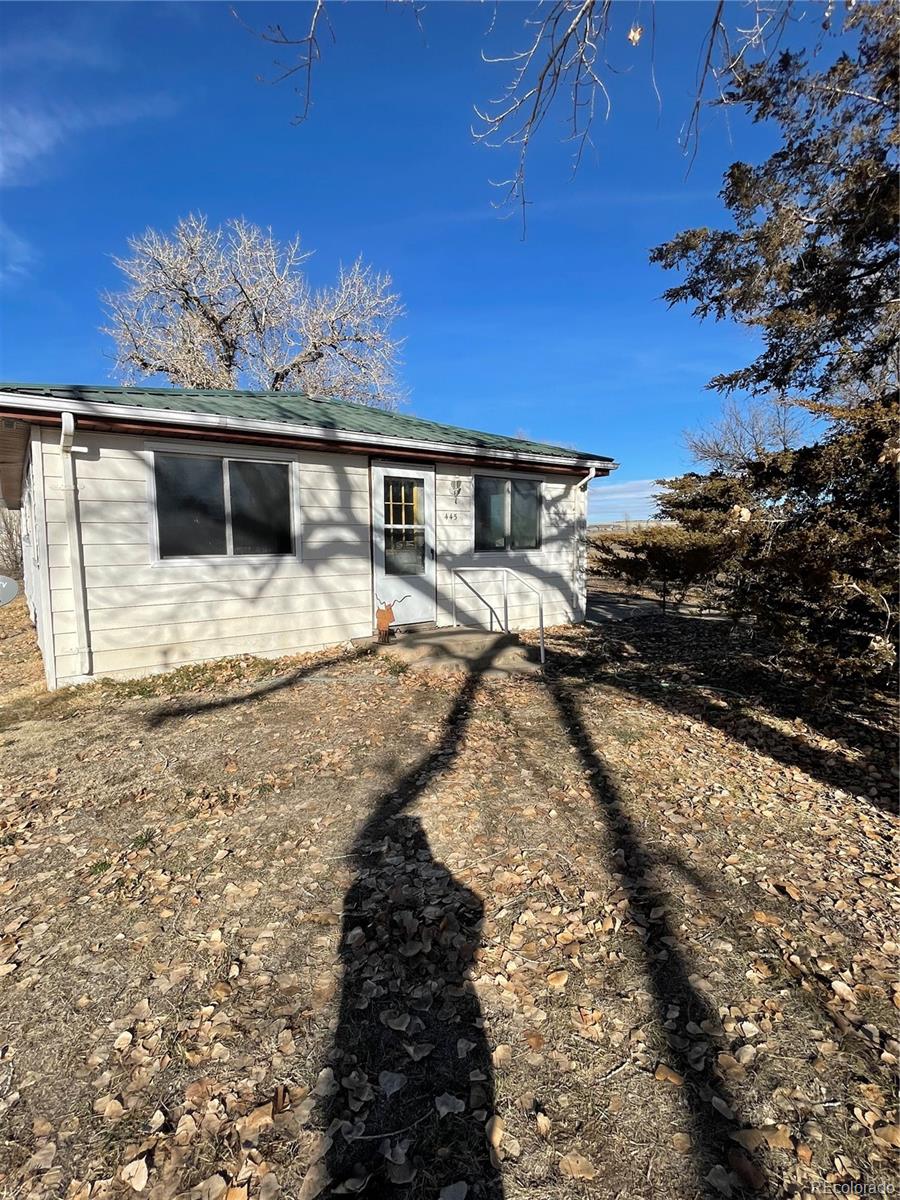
[
  {"x": 73, "y": 530},
  {"x": 579, "y": 556}
]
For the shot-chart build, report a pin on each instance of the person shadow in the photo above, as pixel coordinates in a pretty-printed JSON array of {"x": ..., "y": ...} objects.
[
  {"x": 409, "y": 1081},
  {"x": 412, "y": 1068}
]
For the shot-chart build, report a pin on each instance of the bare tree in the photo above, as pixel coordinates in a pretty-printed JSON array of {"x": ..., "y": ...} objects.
[
  {"x": 218, "y": 308},
  {"x": 746, "y": 432},
  {"x": 10, "y": 543}
]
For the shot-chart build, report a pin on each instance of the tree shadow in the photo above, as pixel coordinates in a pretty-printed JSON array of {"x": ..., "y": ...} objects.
[
  {"x": 698, "y": 657},
  {"x": 688, "y": 1019},
  {"x": 191, "y": 708},
  {"x": 413, "y": 1085}
]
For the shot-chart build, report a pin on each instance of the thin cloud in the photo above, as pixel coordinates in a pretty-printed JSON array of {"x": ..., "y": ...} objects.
[
  {"x": 32, "y": 136},
  {"x": 29, "y": 136},
  {"x": 590, "y": 202},
  {"x": 633, "y": 499},
  {"x": 16, "y": 255},
  {"x": 49, "y": 50}
]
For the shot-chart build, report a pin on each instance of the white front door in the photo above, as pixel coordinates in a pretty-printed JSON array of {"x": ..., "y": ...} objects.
[{"x": 403, "y": 541}]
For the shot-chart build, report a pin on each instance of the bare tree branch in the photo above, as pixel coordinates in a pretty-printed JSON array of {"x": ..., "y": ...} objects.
[
  {"x": 746, "y": 433},
  {"x": 565, "y": 62},
  {"x": 306, "y": 49}
]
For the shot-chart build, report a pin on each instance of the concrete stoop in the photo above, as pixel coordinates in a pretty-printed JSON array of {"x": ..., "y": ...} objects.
[{"x": 496, "y": 654}]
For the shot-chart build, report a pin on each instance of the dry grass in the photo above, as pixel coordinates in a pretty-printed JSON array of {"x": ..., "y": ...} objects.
[{"x": 642, "y": 915}]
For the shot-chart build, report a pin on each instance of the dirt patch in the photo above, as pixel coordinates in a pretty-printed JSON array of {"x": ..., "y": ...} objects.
[{"x": 317, "y": 928}]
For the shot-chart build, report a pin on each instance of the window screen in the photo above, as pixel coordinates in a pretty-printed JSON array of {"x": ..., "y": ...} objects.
[
  {"x": 190, "y": 505},
  {"x": 490, "y": 513},
  {"x": 260, "y": 495},
  {"x": 525, "y": 514}
]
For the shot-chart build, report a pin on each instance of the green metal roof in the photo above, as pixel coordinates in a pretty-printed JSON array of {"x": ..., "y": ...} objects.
[{"x": 295, "y": 408}]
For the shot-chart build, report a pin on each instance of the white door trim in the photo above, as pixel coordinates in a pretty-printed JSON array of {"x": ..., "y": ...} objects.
[{"x": 420, "y": 590}]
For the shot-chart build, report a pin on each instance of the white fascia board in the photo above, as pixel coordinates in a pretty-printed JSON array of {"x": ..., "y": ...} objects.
[{"x": 177, "y": 418}]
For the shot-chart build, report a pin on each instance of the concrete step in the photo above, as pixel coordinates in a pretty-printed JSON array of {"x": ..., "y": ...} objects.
[{"x": 462, "y": 649}]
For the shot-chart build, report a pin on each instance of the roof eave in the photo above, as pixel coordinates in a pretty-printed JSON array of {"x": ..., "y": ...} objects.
[{"x": 231, "y": 428}]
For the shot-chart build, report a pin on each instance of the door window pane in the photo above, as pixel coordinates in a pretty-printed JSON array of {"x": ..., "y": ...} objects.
[
  {"x": 404, "y": 551},
  {"x": 260, "y": 507},
  {"x": 525, "y": 514},
  {"x": 403, "y": 501},
  {"x": 190, "y": 505},
  {"x": 490, "y": 513}
]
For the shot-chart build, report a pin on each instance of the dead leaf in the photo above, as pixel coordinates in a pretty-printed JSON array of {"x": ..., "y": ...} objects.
[
  {"x": 890, "y": 1134},
  {"x": 750, "y": 1139},
  {"x": 778, "y": 1137},
  {"x": 446, "y": 1103},
  {"x": 418, "y": 1051},
  {"x": 558, "y": 980},
  {"x": 501, "y": 1055},
  {"x": 269, "y": 1188},
  {"x": 843, "y": 991},
  {"x": 494, "y": 1130},
  {"x": 315, "y": 1180},
  {"x": 665, "y": 1074},
  {"x": 401, "y": 1172},
  {"x": 42, "y": 1159},
  {"x": 213, "y": 1188},
  {"x": 391, "y": 1082},
  {"x": 575, "y": 1166},
  {"x": 250, "y": 1127},
  {"x": 136, "y": 1174},
  {"x": 326, "y": 1084},
  {"x": 454, "y": 1191},
  {"x": 747, "y": 1171},
  {"x": 721, "y": 1180}
]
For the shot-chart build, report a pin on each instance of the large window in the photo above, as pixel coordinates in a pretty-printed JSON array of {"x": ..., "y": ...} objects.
[
  {"x": 507, "y": 513},
  {"x": 222, "y": 506}
]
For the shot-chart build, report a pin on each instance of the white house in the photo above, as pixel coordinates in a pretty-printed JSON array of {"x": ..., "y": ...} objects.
[{"x": 166, "y": 526}]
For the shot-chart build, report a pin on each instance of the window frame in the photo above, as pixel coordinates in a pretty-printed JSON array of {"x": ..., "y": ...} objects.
[
  {"x": 224, "y": 455},
  {"x": 509, "y": 480}
]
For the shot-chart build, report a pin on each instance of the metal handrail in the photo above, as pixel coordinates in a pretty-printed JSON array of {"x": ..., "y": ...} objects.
[{"x": 506, "y": 572}]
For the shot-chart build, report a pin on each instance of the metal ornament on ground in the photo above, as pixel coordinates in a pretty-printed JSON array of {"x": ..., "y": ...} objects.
[{"x": 9, "y": 589}]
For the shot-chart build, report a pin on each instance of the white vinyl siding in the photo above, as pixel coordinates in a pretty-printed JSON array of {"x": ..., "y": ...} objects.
[
  {"x": 146, "y": 615},
  {"x": 553, "y": 567}
]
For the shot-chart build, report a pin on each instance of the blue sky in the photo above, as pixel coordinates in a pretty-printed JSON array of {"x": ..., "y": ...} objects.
[{"x": 118, "y": 117}]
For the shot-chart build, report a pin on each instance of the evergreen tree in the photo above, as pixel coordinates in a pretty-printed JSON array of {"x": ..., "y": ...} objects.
[{"x": 810, "y": 263}]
